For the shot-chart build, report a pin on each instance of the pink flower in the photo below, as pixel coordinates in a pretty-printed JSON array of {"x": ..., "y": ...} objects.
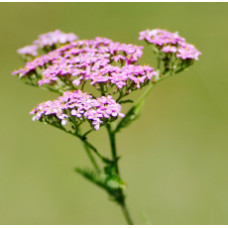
[
  {"x": 170, "y": 43},
  {"x": 52, "y": 38},
  {"x": 28, "y": 50},
  {"x": 169, "y": 48},
  {"x": 188, "y": 51},
  {"x": 81, "y": 106},
  {"x": 72, "y": 65}
]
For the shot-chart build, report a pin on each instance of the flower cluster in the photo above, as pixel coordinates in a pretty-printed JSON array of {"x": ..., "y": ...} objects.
[
  {"x": 99, "y": 61},
  {"x": 109, "y": 66},
  {"x": 101, "y": 72},
  {"x": 28, "y": 50},
  {"x": 77, "y": 107},
  {"x": 47, "y": 40},
  {"x": 170, "y": 43},
  {"x": 40, "y": 62},
  {"x": 51, "y": 38},
  {"x": 63, "y": 64}
]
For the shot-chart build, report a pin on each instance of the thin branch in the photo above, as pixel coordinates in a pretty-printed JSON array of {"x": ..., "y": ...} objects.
[
  {"x": 127, "y": 214},
  {"x": 91, "y": 157}
]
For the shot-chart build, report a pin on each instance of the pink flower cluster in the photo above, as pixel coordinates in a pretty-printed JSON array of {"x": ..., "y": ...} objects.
[
  {"x": 99, "y": 61},
  {"x": 41, "y": 61},
  {"x": 51, "y": 38},
  {"x": 80, "y": 106},
  {"x": 170, "y": 43},
  {"x": 105, "y": 73},
  {"x": 48, "y": 39},
  {"x": 28, "y": 50}
]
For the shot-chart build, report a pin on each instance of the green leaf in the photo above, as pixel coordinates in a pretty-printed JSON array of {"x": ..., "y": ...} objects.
[
  {"x": 131, "y": 116},
  {"x": 106, "y": 180},
  {"x": 112, "y": 178}
]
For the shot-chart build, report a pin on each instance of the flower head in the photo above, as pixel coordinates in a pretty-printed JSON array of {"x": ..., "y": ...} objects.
[
  {"x": 169, "y": 42},
  {"x": 188, "y": 51},
  {"x": 100, "y": 61},
  {"x": 28, "y": 50},
  {"x": 51, "y": 38},
  {"x": 76, "y": 107},
  {"x": 47, "y": 40}
]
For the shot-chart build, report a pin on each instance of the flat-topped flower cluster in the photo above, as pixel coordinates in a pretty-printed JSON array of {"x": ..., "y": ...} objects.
[
  {"x": 170, "y": 43},
  {"x": 100, "y": 61},
  {"x": 47, "y": 40},
  {"x": 61, "y": 62},
  {"x": 77, "y": 107}
]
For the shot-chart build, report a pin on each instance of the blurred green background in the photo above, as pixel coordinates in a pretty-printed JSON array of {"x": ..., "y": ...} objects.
[{"x": 174, "y": 158}]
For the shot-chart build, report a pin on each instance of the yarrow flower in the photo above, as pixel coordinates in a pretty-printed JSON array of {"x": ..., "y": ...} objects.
[
  {"x": 100, "y": 61},
  {"x": 170, "y": 43},
  {"x": 28, "y": 50},
  {"x": 47, "y": 40},
  {"x": 51, "y": 38},
  {"x": 76, "y": 107},
  {"x": 63, "y": 64}
]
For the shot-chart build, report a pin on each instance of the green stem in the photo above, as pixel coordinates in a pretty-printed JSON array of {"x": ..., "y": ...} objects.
[
  {"x": 85, "y": 142},
  {"x": 89, "y": 131},
  {"x": 112, "y": 139},
  {"x": 122, "y": 203},
  {"x": 158, "y": 62},
  {"x": 89, "y": 145},
  {"x": 127, "y": 215},
  {"x": 143, "y": 96},
  {"x": 151, "y": 86},
  {"x": 91, "y": 157}
]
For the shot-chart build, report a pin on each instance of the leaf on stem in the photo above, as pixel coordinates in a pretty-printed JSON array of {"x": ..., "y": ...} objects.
[{"x": 106, "y": 180}]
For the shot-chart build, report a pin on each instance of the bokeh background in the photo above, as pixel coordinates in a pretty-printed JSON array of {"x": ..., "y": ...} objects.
[{"x": 174, "y": 158}]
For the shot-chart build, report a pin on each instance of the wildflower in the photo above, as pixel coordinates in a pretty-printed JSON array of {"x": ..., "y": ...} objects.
[
  {"x": 47, "y": 40},
  {"x": 28, "y": 50},
  {"x": 81, "y": 106},
  {"x": 188, "y": 51},
  {"x": 51, "y": 38},
  {"x": 96, "y": 61},
  {"x": 109, "y": 67},
  {"x": 169, "y": 42}
]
